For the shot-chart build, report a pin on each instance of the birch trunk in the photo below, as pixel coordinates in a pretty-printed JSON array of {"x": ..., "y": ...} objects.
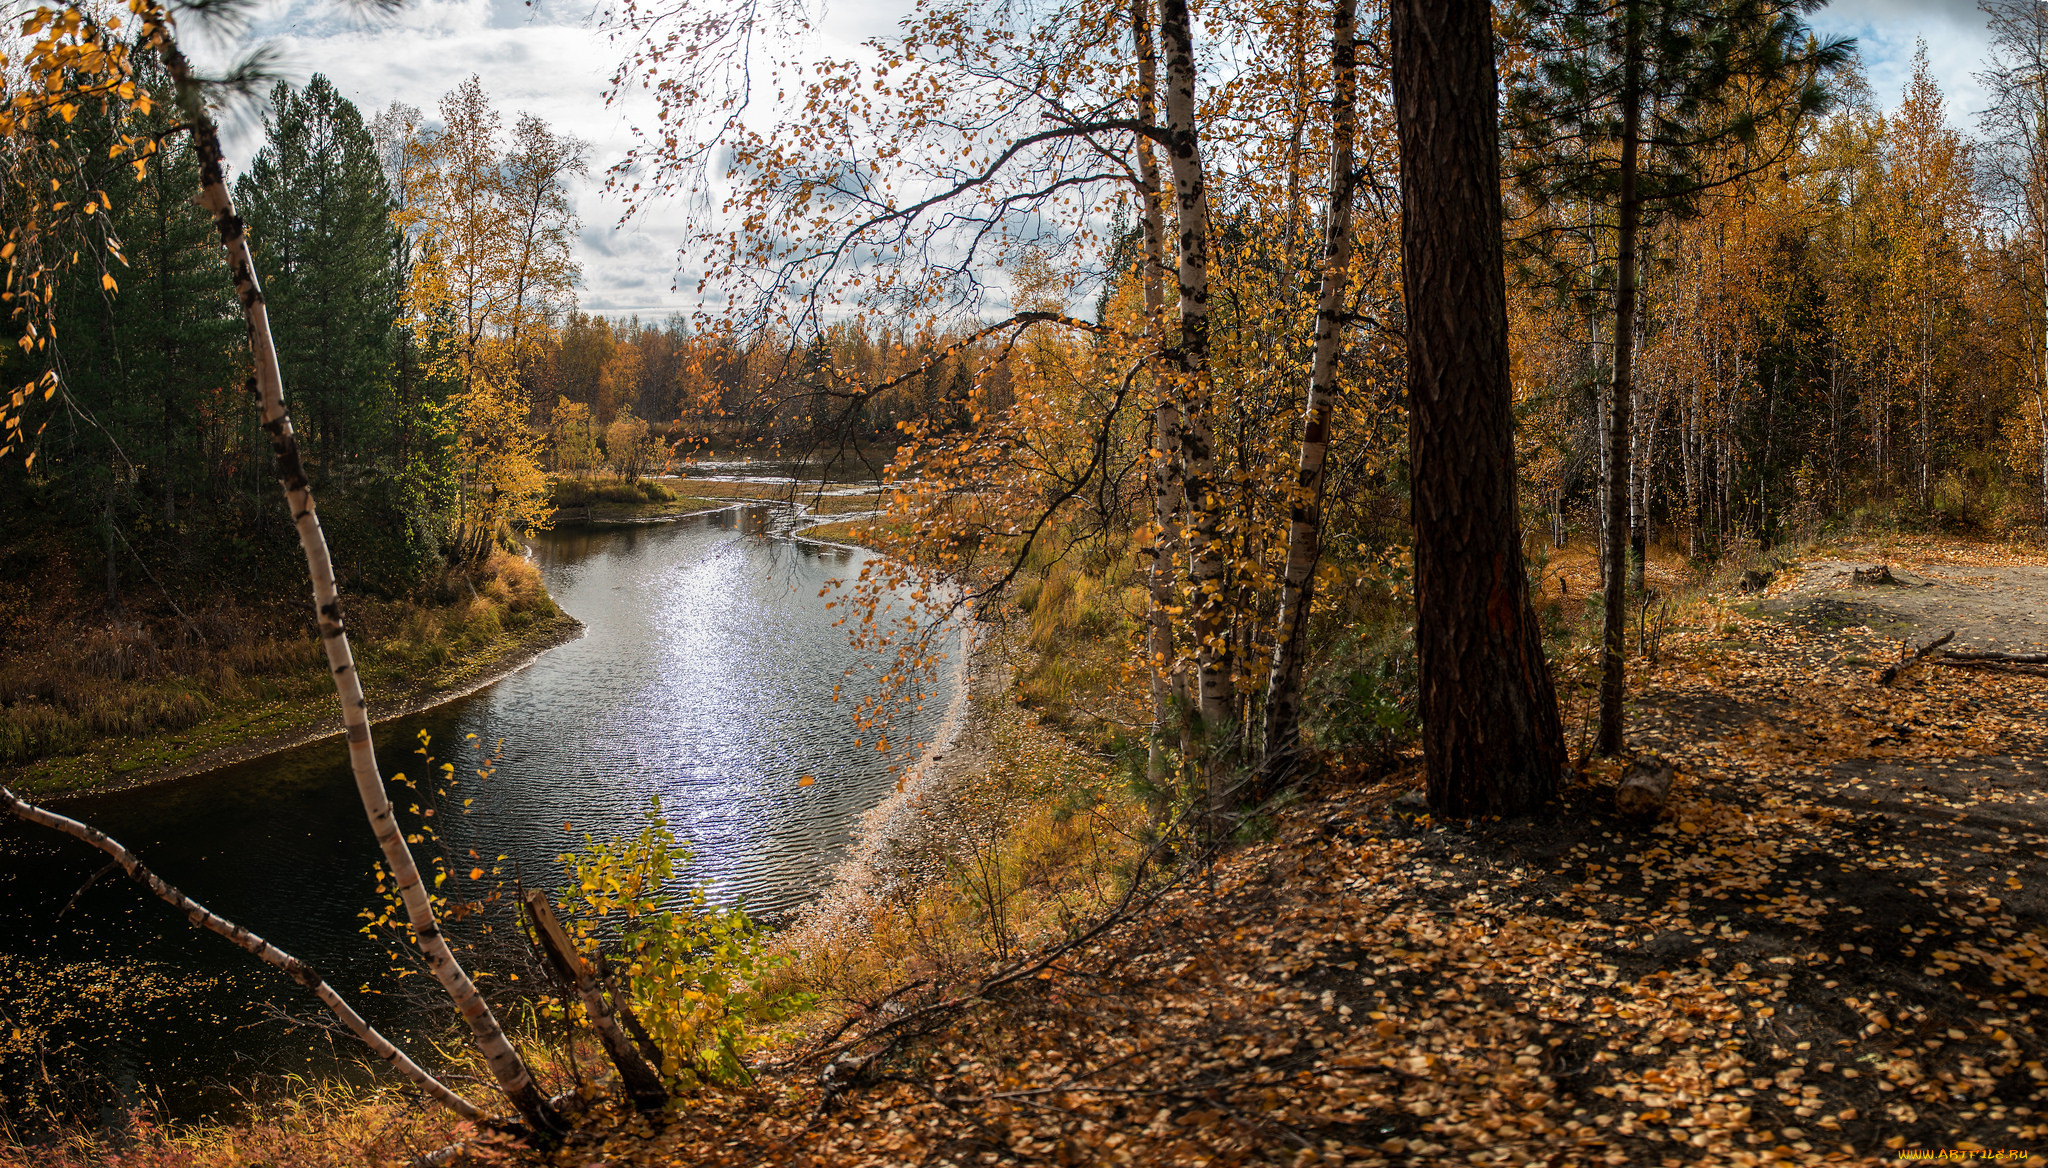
[
  {"x": 1646, "y": 528},
  {"x": 267, "y": 387},
  {"x": 1305, "y": 514},
  {"x": 1168, "y": 681},
  {"x": 1926, "y": 389},
  {"x": 1614, "y": 632},
  {"x": 247, "y": 941},
  {"x": 1641, "y": 442},
  {"x": 1208, "y": 543},
  {"x": 2041, "y": 369}
]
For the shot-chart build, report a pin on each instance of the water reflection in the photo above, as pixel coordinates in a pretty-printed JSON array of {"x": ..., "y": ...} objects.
[{"x": 705, "y": 677}]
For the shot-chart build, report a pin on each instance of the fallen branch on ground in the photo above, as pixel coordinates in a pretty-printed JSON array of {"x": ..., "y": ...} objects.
[
  {"x": 641, "y": 1080},
  {"x": 2017, "y": 668},
  {"x": 1891, "y": 673},
  {"x": 1972, "y": 655}
]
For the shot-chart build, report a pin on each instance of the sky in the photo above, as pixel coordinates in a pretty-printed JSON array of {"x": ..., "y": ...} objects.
[{"x": 550, "y": 58}]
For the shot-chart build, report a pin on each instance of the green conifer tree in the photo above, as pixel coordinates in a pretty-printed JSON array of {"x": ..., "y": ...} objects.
[{"x": 319, "y": 212}]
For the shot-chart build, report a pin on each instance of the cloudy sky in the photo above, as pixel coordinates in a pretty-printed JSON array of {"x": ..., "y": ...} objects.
[{"x": 551, "y": 59}]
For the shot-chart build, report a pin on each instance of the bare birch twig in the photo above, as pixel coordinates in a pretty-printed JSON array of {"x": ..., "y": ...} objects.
[{"x": 262, "y": 950}]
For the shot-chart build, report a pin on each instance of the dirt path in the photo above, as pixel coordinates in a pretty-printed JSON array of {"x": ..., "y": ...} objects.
[{"x": 1990, "y": 606}]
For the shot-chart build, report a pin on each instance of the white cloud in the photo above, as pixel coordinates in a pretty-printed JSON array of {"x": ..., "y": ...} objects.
[
  {"x": 1887, "y": 33},
  {"x": 550, "y": 59}
]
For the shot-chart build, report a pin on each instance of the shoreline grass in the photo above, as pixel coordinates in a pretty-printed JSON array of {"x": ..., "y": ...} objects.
[{"x": 124, "y": 704}]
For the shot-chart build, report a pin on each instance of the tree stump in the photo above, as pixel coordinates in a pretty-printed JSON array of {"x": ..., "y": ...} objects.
[
  {"x": 1881, "y": 574},
  {"x": 1755, "y": 581},
  {"x": 1643, "y": 790}
]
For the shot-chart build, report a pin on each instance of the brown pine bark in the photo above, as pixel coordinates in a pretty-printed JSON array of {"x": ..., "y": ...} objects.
[
  {"x": 1490, "y": 735},
  {"x": 1305, "y": 511},
  {"x": 267, "y": 388},
  {"x": 1614, "y": 625}
]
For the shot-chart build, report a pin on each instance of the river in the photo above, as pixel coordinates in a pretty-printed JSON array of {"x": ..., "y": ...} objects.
[{"x": 705, "y": 677}]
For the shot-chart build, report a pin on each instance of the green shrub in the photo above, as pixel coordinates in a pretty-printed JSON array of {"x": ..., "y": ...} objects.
[
  {"x": 698, "y": 974},
  {"x": 1362, "y": 704}
]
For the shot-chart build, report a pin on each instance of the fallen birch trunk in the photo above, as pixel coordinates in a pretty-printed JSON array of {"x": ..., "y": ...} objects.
[
  {"x": 249, "y": 942},
  {"x": 1891, "y": 673}
]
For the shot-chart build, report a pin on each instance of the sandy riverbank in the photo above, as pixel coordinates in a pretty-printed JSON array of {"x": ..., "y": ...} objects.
[{"x": 897, "y": 840}]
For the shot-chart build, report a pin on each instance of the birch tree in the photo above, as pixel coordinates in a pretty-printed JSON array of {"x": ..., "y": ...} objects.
[
  {"x": 267, "y": 388},
  {"x": 1305, "y": 510}
]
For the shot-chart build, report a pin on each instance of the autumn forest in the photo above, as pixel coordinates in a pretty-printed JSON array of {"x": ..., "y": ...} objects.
[{"x": 1255, "y": 582}]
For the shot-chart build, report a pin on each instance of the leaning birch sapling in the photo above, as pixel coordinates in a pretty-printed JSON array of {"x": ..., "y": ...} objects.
[{"x": 267, "y": 388}]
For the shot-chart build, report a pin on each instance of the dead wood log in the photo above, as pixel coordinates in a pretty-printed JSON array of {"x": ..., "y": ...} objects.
[
  {"x": 1973, "y": 655},
  {"x": 1892, "y": 672},
  {"x": 1881, "y": 574},
  {"x": 2020, "y": 669},
  {"x": 1644, "y": 789},
  {"x": 642, "y": 1082}
]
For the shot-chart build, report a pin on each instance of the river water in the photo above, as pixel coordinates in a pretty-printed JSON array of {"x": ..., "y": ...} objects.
[{"x": 705, "y": 677}]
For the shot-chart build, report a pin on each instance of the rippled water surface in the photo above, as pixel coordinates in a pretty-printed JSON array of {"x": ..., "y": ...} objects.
[{"x": 704, "y": 677}]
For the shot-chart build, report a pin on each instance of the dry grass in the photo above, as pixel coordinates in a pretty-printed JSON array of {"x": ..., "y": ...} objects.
[
  {"x": 182, "y": 683},
  {"x": 329, "y": 1125},
  {"x": 1031, "y": 835}
]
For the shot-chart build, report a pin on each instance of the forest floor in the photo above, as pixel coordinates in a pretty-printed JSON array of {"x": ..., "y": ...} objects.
[{"x": 1832, "y": 947}]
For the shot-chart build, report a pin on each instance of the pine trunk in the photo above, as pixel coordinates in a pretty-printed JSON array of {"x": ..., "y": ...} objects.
[
  {"x": 1614, "y": 628},
  {"x": 267, "y": 387},
  {"x": 1305, "y": 513},
  {"x": 1490, "y": 734}
]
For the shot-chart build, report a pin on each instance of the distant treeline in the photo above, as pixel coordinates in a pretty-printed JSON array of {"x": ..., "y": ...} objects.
[{"x": 421, "y": 289}]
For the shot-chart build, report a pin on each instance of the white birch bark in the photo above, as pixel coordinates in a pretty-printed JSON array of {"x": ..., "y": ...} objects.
[
  {"x": 1207, "y": 541},
  {"x": 247, "y": 941},
  {"x": 1305, "y": 511},
  {"x": 267, "y": 387},
  {"x": 1168, "y": 680}
]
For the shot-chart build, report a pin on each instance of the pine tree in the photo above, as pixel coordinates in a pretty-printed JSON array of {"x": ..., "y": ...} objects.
[
  {"x": 319, "y": 210},
  {"x": 1629, "y": 106}
]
